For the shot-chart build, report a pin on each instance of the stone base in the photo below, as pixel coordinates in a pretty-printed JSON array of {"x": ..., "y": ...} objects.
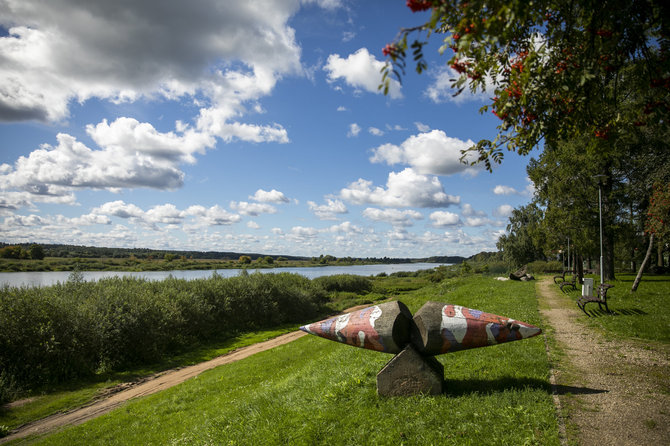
[{"x": 409, "y": 373}]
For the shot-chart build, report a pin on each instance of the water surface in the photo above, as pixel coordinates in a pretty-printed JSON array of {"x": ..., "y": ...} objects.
[{"x": 46, "y": 278}]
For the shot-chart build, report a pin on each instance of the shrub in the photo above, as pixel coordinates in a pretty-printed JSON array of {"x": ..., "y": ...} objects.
[
  {"x": 344, "y": 282},
  {"x": 53, "y": 334}
]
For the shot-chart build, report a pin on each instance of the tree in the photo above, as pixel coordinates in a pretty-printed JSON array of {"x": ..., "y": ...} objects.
[
  {"x": 244, "y": 260},
  {"x": 657, "y": 224},
  {"x": 524, "y": 239},
  {"x": 557, "y": 68},
  {"x": 36, "y": 252}
]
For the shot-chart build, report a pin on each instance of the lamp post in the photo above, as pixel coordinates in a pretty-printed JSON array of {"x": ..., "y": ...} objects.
[{"x": 600, "y": 215}]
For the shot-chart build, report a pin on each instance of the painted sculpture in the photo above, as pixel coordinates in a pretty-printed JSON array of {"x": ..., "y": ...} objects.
[{"x": 435, "y": 329}]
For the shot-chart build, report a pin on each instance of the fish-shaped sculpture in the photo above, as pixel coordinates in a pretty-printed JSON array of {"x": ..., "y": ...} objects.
[
  {"x": 444, "y": 328},
  {"x": 435, "y": 329},
  {"x": 384, "y": 327}
]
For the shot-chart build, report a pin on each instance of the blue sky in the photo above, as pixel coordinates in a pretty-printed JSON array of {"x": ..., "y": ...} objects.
[{"x": 238, "y": 126}]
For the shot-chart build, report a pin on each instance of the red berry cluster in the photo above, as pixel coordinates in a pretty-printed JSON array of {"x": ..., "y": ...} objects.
[
  {"x": 419, "y": 5},
  {"x": 390, "y": 50}
]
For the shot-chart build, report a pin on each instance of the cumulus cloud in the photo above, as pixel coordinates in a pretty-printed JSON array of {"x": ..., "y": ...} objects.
[
  {"x": 167, "y": 214},
  {"x": 273, "y": 196},
  {"x": 428, "y": 153},
  {"x": 131, "y": 155},
  {"x": 504, "y": 210},
  {"x": 354, "y": 130},
  {"x": 504, "y": 190},
  {"x": 403, "y": 189},
  {"x": 423, "y": 128},
  {"x": 375, "y": 131},
  {"x": 440, "y": 91},
  {"x": 528, "y": 191},
  {"x": 469, "y": 211},
  {"x": 328, "y": 211},
  {"x": 360, "y": 70},
  {"x": 252, "y": 209},
  {"x": 346, "y": 227},
  {"x": 444, "y": 218},
  {"x": 65, "y": 49},
  {"x": 395, "y": 217}
]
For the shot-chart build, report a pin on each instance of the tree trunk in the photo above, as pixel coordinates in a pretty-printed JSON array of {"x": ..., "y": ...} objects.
[
  {"x": 644, "y": 264},
  {"x": 608, "y": 231},
  {"x": 580, "y": 268},
  {"x": 659, "y": 255}
]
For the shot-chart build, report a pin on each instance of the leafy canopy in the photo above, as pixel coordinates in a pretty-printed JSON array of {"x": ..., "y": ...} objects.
[{"x": 555, "y": 68}]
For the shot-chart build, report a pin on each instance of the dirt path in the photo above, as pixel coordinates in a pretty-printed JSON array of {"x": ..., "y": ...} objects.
[
  {"x": 611, "y": 392},
  {"x": 144, "y": 387}
]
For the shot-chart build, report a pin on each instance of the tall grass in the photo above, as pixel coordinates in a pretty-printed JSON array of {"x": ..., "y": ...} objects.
[{"x": 75, "y": 329}]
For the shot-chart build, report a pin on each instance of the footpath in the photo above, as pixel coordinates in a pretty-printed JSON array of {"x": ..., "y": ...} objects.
[{"x": 611, "y": 392}]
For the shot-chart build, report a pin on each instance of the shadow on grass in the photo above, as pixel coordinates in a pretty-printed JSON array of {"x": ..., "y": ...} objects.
[
  {"x": 462, "y": 387},
  {"x": 616, "y": 312}
]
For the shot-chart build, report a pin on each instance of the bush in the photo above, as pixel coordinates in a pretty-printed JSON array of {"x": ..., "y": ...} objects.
[
  {"x": 541, "y": 266},
  {"x": 54, "y": 334},
  {"x": 344, "y": 282}
]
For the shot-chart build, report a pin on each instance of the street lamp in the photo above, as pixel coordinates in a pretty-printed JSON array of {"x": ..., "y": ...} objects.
[{"x": 600, "y": 215}]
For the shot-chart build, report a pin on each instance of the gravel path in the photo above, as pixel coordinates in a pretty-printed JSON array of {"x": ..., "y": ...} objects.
[{"x": 612, "y": 392}]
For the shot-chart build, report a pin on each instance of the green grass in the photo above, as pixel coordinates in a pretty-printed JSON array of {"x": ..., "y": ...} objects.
[
  {"x": 313, "y": 391},
  {"x": 643, "y": 315},
  {"x": 62, "y": 398}
]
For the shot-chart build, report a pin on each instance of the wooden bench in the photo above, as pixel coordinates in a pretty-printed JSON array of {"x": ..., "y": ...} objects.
[
  {"x": 600, "y": 298},
  {"x": 572, "y": 282},
  {"x": 561, "y": 276}
]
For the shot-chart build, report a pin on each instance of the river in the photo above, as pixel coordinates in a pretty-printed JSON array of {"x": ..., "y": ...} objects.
[{"x": 46, "y": 278}]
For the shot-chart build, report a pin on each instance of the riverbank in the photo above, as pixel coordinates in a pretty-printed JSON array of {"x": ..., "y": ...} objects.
[{"x": 132, "y": 264}]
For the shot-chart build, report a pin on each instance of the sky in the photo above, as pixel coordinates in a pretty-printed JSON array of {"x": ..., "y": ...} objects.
[{"x": 251, "y": 126}]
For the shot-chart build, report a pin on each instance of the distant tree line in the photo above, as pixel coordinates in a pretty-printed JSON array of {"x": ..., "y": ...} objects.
[{"x": 35, "y": 251}]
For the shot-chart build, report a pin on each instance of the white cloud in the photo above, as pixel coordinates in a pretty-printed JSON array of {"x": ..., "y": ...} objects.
[
  {"x": 440, "y": 90},
  {"x": 119, "y": 209},
  {"x": 341, "y": 108},
  {"x": 527, "y": 191},
  {"x": 65, "y": 49},
  {"x": 395, "y": 217},
  {"x": 354, "y": 130},
  {"x": 253, "y": 225},
  {"x": 329, "y": 210},
  {"x": 427, "y": 153},
  {"x": 403, "y": 189},
  {"x": 423, "y": 128},
  {"x": 252, "y": 209},
  {"x": 504, "y": 210},
  {"x": 301, "y": 232},
  {"x": 360, "y": 70},
  {"x": 504, "y": 190},
  {"x": 213, "y": 216},
  {"x": 469, "y": 211},
  {"x": 346, "y": 227},
  {"x": 443, "y": 218},
  {"x": 132, "y": 155},
  {"x": 375, "y": 131},
  {"x": 477, "y": 221},
  {"x": 273, "y": 196},
  {"x": 127, "y": 136},
  {"x": 165, "y": 213}
]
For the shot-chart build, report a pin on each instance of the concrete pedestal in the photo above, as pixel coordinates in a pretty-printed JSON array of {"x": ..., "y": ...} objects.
[{"x": 409, "y": 373}]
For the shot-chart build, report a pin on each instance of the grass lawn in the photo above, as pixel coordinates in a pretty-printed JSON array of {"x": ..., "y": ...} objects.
[
  {"x": 643, "y": 315},
  {"x": 79, "y": 393},
  {"x": 314, "y": 391}
]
